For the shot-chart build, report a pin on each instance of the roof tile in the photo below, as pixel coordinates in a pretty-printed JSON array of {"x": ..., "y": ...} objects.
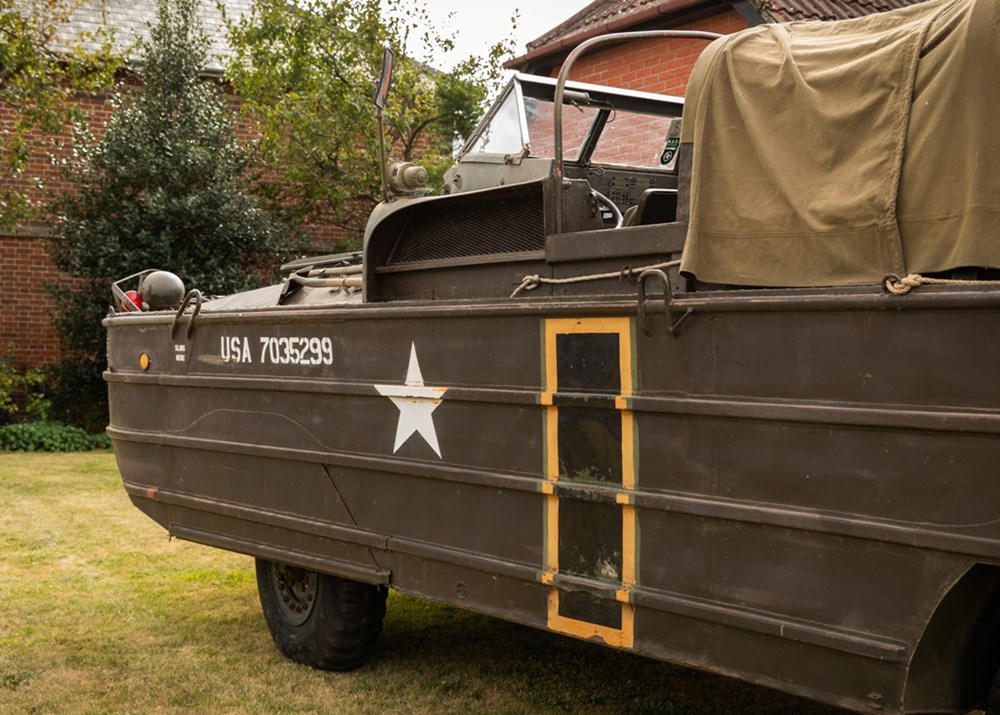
[
  {"x": 596, "y": 13},
  {"x": 130, "y": 20},
  {"x": 602, "y": 12},
  {"x": 793, "y": 10}
]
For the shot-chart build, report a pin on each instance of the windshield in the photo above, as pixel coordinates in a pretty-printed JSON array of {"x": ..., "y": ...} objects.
[
  {"x": 541, "y": 128},
  {"x": 633, "y": 139},
  {"x": 502, "y": 135},
  {"x": 595, "y": 131}
]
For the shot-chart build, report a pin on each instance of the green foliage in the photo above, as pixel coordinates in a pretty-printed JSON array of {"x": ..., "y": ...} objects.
[
  {"x": 306, "y": 72},
  {"x": 22, "y": 393},
  {"x": 164, "y": 187},
  {"x": 25, "y": 406},
  {"x": 76, "y": 386},
  {"x": 79, "y": 395},
  {"x": 40, "y": 73},
  {"x": 49, "y": 437}
]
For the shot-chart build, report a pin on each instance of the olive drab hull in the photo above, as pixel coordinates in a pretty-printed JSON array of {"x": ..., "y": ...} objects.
[
  {"x": 783, "y": 490},
  {"x": 519, "y": 400}
]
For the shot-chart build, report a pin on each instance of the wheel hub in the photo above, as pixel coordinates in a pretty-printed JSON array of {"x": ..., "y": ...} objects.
[{"x": 296, "y": 592}]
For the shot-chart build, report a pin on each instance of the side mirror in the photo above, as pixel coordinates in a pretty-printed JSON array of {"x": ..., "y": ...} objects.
[
  {"x": 381, "y": 94},
  {"x": 382, "y": 86}
]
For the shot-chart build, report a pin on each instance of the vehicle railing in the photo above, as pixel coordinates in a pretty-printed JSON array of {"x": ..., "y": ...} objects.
[{"x": 564, "y": 75}]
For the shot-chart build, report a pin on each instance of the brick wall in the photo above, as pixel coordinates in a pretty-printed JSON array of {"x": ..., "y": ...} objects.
[
  {"x": 27, "y": 335},
  {"x": 661, "y": 66}
]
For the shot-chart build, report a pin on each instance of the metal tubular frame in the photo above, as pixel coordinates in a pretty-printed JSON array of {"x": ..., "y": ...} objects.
[{"x": 564, "y": 74}]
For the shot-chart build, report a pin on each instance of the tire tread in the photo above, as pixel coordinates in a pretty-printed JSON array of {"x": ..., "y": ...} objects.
[{"x": 341, "y": 633}]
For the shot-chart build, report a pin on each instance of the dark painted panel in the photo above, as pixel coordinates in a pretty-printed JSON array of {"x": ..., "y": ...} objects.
[
  {"x": 452, "y": 351},
  {"x": 482, "y": 520},
  {"x": 858, "y": 584},
  {"x": 588, "y": 362},
  {"x": 590, "y": 444},
  {"x": 480, "y": 591},
  {"x": 297, "y": 488},
  {"x": 488, "y": 280},
  {"x": 297, "y": 544},
  {"x": 896, "y": 357},
  {"x": 801, "y": 668},
  {"x": 590, "y": 539},
  {"x": 917, "y": 478},
  {"x": 477, "y": 434},
  {"x": 586, "y": 607}
]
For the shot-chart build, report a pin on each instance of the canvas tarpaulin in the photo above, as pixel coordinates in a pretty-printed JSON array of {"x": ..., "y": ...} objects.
[{"x": 840, "y": 153}]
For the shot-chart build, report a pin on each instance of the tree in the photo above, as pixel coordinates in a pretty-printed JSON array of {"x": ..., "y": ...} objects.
[
  {"x": 306, "y": 72},
  {"x": 40, "y": 75},
  {"x": 164, "y": 187}
]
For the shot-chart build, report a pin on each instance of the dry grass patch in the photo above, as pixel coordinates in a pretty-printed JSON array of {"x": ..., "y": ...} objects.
[{"x": 101, "y": 613}]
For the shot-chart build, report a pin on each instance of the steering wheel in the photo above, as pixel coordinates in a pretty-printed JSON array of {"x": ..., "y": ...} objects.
[{"x": 610, "y": 205}]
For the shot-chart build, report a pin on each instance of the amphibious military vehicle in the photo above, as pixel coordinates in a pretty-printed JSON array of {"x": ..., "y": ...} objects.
[{"x": 726, "y": 396}]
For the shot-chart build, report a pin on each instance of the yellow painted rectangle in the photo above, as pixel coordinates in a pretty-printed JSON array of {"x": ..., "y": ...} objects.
[
  {"x": 582, "y": 629},
  {"x": 623, "y": 637}
]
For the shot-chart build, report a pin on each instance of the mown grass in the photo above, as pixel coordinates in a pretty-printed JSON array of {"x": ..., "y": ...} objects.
[{"x": 101, "y": 613}]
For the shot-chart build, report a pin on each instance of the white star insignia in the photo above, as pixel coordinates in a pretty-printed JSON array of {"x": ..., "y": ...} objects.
[{"x": 416, "y": 403}]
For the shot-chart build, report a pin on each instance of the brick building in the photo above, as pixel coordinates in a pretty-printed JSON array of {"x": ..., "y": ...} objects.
[
  {"x": 27, "y": 337},
  {"x": 664, "y": 66},
  {"x": 26, "y": 333}
]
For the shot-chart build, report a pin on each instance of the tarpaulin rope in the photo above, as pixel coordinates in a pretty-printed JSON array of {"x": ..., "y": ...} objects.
[{"x": 533, "y": 281}]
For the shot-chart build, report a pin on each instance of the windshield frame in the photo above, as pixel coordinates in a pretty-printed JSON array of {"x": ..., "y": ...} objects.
[
  {"x": 605, "y": 99},
  {"x": 512, "y": 90}
]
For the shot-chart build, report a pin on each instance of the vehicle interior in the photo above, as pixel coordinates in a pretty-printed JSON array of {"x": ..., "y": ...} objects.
[
  {"x": 516, "y": 204},
  {"x": 622, "y": 143}
]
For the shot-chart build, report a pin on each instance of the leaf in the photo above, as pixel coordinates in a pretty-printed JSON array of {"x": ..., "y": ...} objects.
[{"x": 306, "y": 72}]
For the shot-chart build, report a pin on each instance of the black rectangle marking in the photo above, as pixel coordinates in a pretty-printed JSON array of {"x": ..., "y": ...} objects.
[
  {"x": 588, "y": 362},
  {"x": 590, "y": 444},
  {"x": 582, "y": 606},
  {"x": 590, "y": 539}
]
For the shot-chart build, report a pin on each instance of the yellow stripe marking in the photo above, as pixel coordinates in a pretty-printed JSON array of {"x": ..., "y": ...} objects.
[{"x": 552, "y": 439}]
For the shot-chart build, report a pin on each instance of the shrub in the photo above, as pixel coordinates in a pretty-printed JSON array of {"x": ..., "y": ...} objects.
[
  {"x": 49, "y": 437},
  {"x": 166, "y": 184},
  {"x": 25, "y": 404},
  {"x": 79, "y": 394},
  {"x": 22, "y": 394}
]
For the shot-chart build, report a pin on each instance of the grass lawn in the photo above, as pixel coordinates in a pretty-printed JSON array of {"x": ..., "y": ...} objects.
[{"x": 101, "y": 613}]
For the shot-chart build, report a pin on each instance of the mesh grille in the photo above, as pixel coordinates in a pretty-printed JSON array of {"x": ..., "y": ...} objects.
[{"x": 506, "y": 224}]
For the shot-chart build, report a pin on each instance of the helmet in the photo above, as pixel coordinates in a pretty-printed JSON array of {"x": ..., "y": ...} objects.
[{"x": 161, "y": 290}]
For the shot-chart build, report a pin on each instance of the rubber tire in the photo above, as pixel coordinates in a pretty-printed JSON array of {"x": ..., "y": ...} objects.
[{"x": 339, "y": 631}]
